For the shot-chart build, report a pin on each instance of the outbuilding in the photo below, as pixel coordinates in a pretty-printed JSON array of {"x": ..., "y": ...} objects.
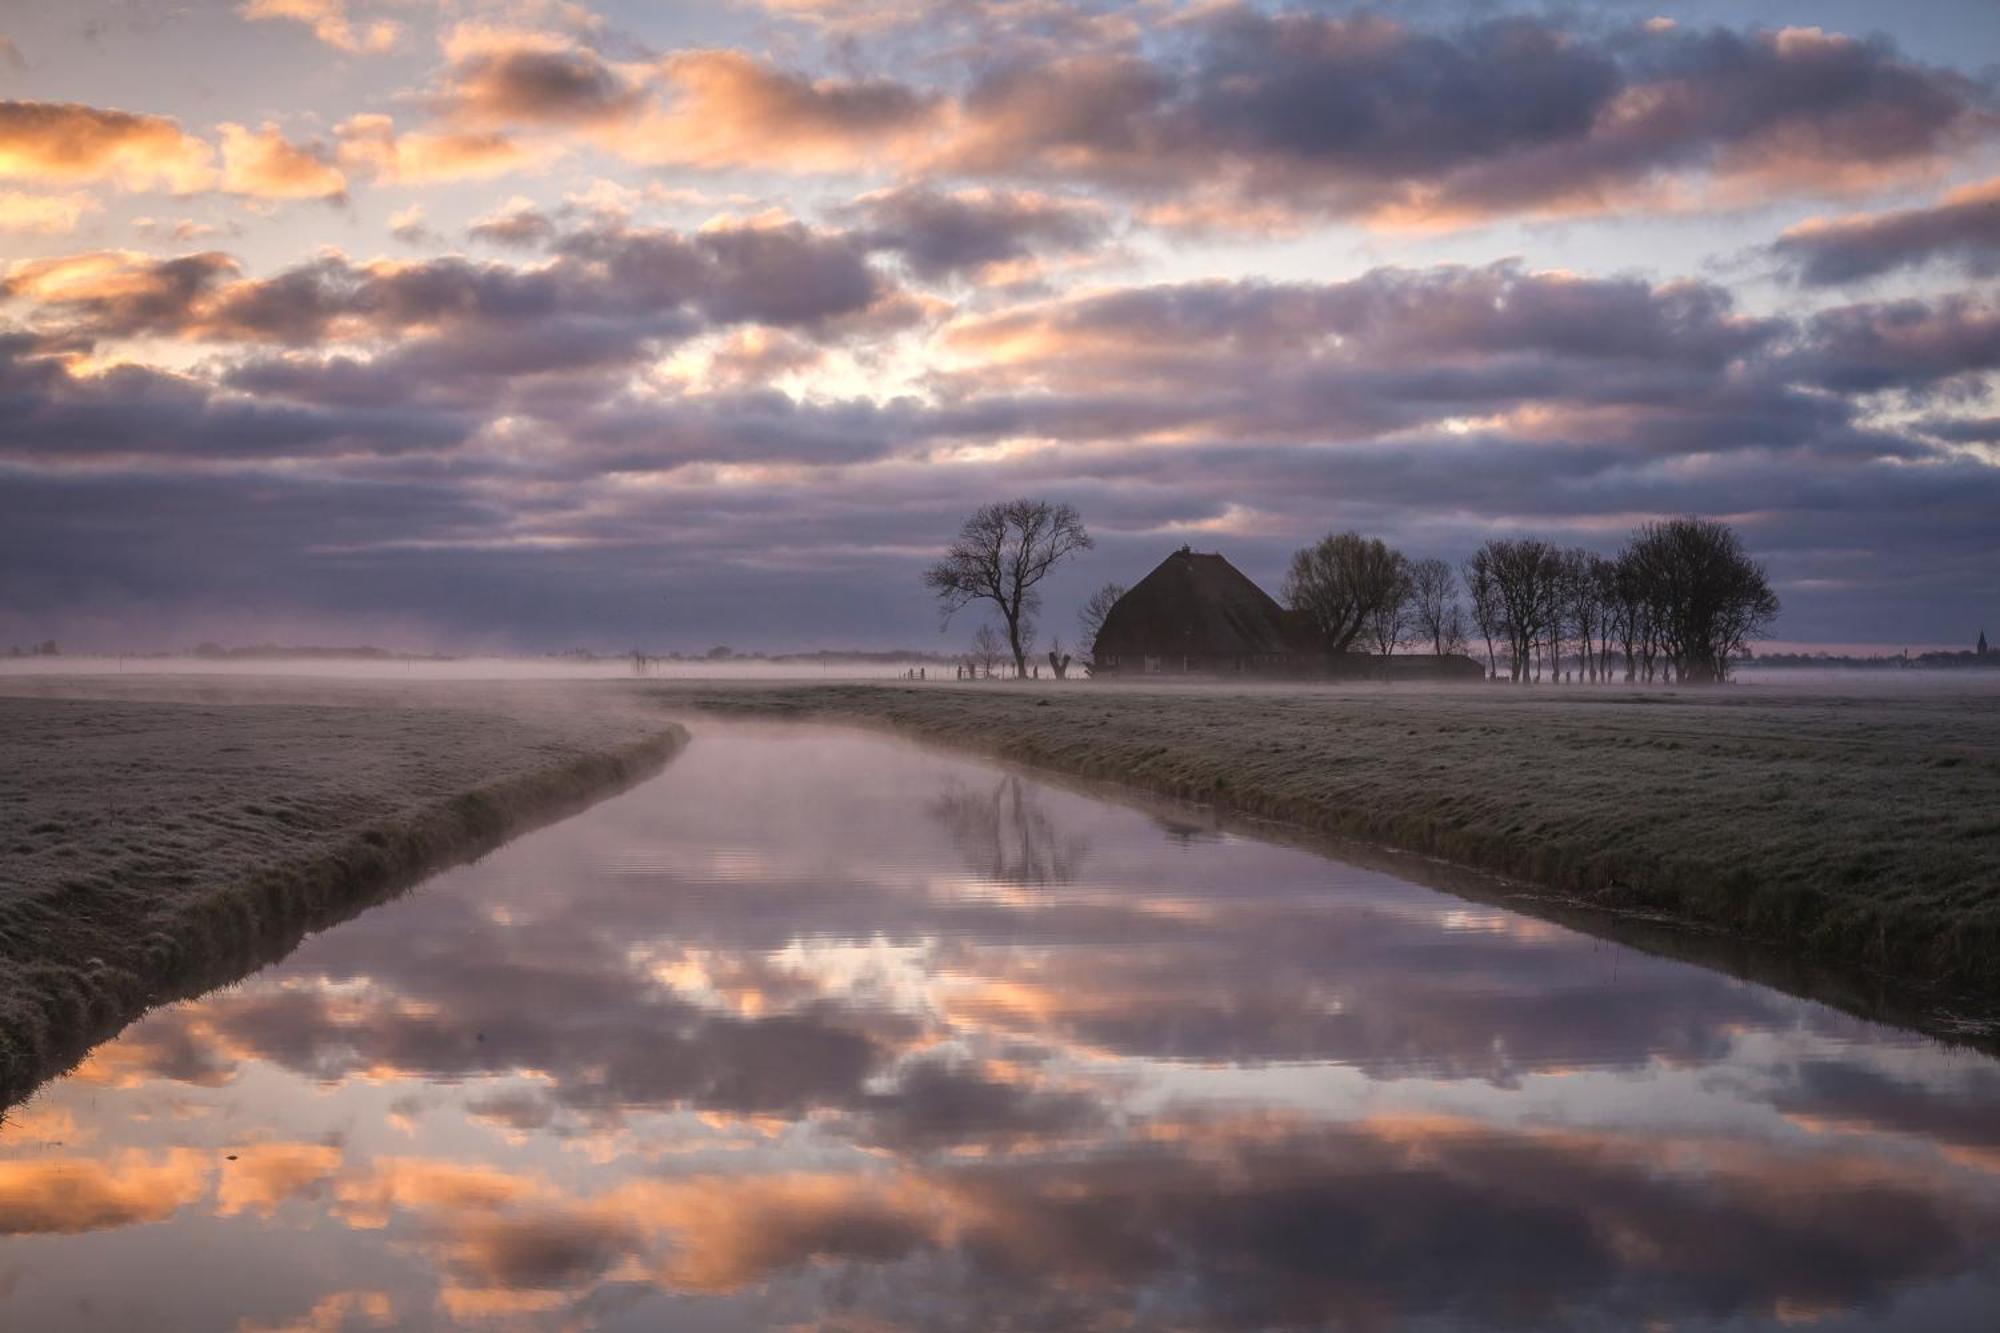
[{"x": 1196, "y": 613}]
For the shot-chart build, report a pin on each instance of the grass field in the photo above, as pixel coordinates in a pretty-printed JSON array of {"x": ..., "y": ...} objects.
[
  {"x": 1858, "y": 828},
  {"x": 159, "y": 837}
]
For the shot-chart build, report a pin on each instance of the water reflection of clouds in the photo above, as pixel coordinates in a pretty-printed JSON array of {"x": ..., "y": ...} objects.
[{"x": 723, "y": 1038}]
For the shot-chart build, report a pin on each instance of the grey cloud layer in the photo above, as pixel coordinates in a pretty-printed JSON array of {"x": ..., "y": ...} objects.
[
  {"x": 1365, "y": 116},
  {"x": 1963, "y": 228},
  {"x": 475, "y": 442},
  {"x": 1236, "y": 107}
]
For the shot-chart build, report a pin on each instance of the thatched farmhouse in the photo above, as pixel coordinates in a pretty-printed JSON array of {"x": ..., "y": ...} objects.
[{"x": 1197, "y": 614}]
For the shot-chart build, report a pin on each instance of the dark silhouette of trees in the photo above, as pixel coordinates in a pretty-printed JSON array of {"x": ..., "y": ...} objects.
[
  {"x": 1708, "y": 597},
  {"x": 1682, "y": 599},
  {"x": 1090, "y": 619},
  {"x": 1001, "y": 554},
  {"x": 1343, "y": 583},
  {"x": 1434, "y": 610},
  {"x": 1524, "y": 581},
  {"x": 1583, "y": 612},
  {"x": 1388, "y": 626},
  {"x": 1482, "y": 592}
]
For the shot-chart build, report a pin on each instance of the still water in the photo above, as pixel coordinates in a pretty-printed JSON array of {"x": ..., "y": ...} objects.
[{"x": 819, "y": 1029}]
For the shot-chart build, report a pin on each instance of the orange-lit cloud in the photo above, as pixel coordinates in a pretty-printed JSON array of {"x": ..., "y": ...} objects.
[
  {"x": 372, "y": 144},
  {"x": 265, "y": 1175},
  {"x": 338, "y": 1312},
  {"x": 69, "y": 142},
  {"x": 67, "y": 1195},
  {"x": 726, "y": 108},
  {"x": 367, "y": 1199},
  {"x": 50, "y": 214},
  {"x": 330, "y": 23},
  {"x": 265, "y": 164}
]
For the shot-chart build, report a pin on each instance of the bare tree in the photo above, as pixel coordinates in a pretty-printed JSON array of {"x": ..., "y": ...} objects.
[
  {"x": 1388, "y": 626},
  {"x": 1090, "y": 619},
  {"x": 1706, "y": 596},
  {"x": 1482, "y": 590},
  {"x": 1342, "y": 581},
  {"x": 1001, "y": 554},
  {"x": 986, "y": 648},
  {"x": 1526, "y": 579},
  {"x": 1434, "y": 608},
  {"x": 1456, "y": 632}
]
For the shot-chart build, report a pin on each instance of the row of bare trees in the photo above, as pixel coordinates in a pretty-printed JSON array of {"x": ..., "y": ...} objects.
[{"x": 1679, "y": 601}]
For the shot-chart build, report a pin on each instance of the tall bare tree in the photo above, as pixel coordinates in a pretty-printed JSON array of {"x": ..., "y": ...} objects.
[
  {"x": 1388, "y": 626},
  {"x": 1526, "y": 582},
  {"x": 1482, "y": 590},
  {"x": 1090, "y": 619},
  {"x": 1001, "y": 554},
  {"x": 1342, "y": 581},
  {"x": 986, "y": 648},
  {"x": 1434, "y": 611}
]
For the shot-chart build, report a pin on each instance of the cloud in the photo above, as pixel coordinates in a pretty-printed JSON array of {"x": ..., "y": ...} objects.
[
  {"x": 265, "y": 1175},
  {"x": 264, "y": 164},
  {"x": 409, "y": 226},
  {"x": 1962, "y": 228},
  {"x": 642, "y": 368},
  {"x": 608, "y": 287},
  {"x": 337, "y": 1312},
  {"x": 1240, "y": 118},
  {"x": 65, "y": 1196},
  {"x": 505, "y": 78},
  {"x": 519, "y": 224},
  {"x": 65, "y": 142},
  {"x": 119, "y": 293},
  {"x": 330, "y": 23},
  {"x": 47, "y": 214},
  {"x": 941, "y": 235},
  {"x": 1392, "y": 351},
  {"x": 728, "y": 109},
  {"x": 1365, "y": 117},
  {"x": 372, "y": 144},
  {"x": 155, "y": 419},
  {"x": 1917, "y": 345}
]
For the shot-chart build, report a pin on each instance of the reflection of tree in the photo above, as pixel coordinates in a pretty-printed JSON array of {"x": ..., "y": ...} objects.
[
  {"x": 1006, "y": 835},
  {"x": 1185, "y": 832}
]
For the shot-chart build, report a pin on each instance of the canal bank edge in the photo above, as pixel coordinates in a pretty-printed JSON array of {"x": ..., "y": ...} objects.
[{"x": 51, "y": 1014}]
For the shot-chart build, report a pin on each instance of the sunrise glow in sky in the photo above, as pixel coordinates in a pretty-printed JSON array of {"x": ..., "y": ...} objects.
[{"x": 518, "y": 325}]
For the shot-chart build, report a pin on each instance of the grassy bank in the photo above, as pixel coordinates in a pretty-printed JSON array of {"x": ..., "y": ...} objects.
[
  {"x": 157, "y": 846},
  {"x": 1861, "y": 831}
]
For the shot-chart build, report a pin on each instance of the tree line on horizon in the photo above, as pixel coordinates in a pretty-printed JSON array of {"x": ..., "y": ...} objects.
[{"x": 1679, "y": 601}]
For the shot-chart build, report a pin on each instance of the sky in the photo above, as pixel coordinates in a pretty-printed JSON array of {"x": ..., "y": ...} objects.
[{"x": 510, "y": 325}]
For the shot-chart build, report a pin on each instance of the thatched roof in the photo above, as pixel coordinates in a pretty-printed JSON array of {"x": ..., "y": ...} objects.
[{"x": 1195, "y": 605}]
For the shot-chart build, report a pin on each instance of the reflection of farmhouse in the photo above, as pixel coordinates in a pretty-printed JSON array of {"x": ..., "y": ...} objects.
[{"x": 1197, "y": 613}]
